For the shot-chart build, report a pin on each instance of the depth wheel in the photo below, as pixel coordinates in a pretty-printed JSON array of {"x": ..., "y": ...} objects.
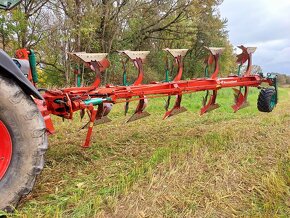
[{"x": 267, "y": 100}]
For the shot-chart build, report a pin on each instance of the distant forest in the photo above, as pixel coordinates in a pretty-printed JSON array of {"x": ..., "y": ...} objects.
[
  {"x": 54, "y": 27},
  {"x": 283, "y": 79}
]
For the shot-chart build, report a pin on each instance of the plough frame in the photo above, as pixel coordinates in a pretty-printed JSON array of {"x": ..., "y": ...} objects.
[{"x": 98, "y": 101}]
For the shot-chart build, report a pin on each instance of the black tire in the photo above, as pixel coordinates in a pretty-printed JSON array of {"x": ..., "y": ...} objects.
[
  {"x": 27, "y": 129},
  {"x": 266, "y": 100}
]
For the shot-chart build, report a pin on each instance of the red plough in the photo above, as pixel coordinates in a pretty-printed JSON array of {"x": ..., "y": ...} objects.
[
  {"x": 98, "y": 101},
  {"x": 23, "y": 131}
]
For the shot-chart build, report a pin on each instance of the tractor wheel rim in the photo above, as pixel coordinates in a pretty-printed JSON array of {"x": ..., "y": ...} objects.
[{"x": 5, "y": 149}]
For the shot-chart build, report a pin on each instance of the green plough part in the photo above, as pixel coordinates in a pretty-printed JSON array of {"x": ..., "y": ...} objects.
[
  {"x": 273, "y": 77},
  {"x": 32, "y": 61}
]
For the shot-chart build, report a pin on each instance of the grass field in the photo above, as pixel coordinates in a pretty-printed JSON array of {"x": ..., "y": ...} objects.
[{"x": 218, "y": 165}]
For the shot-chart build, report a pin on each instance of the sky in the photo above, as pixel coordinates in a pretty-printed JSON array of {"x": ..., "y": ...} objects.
[{"x": 264, "y": 24}]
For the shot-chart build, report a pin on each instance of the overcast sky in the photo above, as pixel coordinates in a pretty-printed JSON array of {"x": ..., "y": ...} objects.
[{"x": 264, "y": 24}]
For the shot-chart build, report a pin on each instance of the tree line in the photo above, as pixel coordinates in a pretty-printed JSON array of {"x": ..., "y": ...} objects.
[
  {"x": 55, "y": 27},
  {"x": 283, "y": 79}
]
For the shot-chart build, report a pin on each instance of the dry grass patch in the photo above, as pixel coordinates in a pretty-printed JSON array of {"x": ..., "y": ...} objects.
[{"x": 218, "y": 165}]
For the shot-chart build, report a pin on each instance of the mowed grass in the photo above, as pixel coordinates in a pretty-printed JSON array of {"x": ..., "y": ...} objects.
[{"x": 222, "y": 164}]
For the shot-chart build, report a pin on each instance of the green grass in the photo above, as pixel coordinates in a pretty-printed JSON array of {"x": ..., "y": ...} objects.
[{"x": 222, "y": 164}]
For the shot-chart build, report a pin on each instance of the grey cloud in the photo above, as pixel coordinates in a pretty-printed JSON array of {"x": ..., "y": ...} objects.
[{"x": 262, "y": 23}]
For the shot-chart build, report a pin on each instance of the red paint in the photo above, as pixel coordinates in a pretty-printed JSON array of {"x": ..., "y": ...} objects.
[
  {"x": 179, "y": 61},
  {"x": 5, "y": 149},
  {"x": 241, "y": 99},
  {"x": 46, "y": 116},
  {"x": 211, "y": 105},
  {"x": 139, "y": 66},
  {"x": 65, "y": 102},
  {"x": 90, "y": 130},
  {"x": 23, "y": 54}
]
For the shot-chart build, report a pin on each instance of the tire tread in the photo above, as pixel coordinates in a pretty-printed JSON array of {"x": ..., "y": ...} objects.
[
  {"x": 264, "y": 100},
  {"x": 17, "y": 96}
]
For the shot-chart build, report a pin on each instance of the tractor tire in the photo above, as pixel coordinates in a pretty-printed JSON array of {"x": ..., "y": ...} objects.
[
  {"x": 22, "y": 122},
  {"x": 267, "y": 100}
]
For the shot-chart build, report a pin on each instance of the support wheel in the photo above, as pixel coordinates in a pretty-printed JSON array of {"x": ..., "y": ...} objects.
[
  {"x": 267, "y": 100},
  {"x": 23, "y": 142}
]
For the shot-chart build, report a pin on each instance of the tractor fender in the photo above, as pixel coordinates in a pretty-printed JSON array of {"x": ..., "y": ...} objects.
[{"x": 9, "y": 69}]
